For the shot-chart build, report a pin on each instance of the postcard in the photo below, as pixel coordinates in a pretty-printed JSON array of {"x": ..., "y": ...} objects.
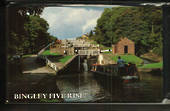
[{"x": 85, "y": 54}]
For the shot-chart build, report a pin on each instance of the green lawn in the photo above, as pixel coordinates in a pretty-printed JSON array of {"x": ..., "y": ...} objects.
[
  {"x": 153, "y": 65},
  {"x": 128, "y": 58},
  {"x": 106, "y": 48},
  {"x": 62, "y": 60},
  {"x": 47, "y": 52},
  {"x": 108, "y": 52},
  {"x": 65, "y": 59}
]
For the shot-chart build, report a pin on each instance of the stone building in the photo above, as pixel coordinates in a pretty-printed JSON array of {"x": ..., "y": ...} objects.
[
  {"x": 124, "y": 46},
  {"x": 56, "y": 47},
  {"x": 85, "y": 37}
]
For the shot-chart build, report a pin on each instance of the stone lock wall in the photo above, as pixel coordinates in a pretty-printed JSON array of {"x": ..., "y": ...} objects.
[{"x": 57, "y": 49}]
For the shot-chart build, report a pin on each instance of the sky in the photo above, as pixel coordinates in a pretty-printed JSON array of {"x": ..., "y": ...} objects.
[{"x": 71, "y": 22}]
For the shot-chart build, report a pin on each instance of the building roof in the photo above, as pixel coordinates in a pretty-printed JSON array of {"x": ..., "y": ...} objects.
[
  {"x": 84, "y": 36},
  {"x": 125, "y": 39}
]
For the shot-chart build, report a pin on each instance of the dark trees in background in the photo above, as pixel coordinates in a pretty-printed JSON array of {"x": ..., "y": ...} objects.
[
  {"x": 37, "y": 35},
  {"x": 143, "y": 25},
  {"x": 27, "y": 31},
  {"x": 91, "y": 34}
]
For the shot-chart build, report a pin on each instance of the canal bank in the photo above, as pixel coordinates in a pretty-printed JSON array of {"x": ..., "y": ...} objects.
[
  {"x": 79, "y": 86},
  {"x": 152, "y": 67},
  {"x": 34, "y": 78},
  {"x": 82, "y": 86},
  {"x": 96, "y": 89}
]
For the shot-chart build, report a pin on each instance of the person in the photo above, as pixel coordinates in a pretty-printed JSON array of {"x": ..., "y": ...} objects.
[
  {"x": 85, "y": 66},
  {"x": 130, "y": 69},
  {"x": 121, "y": 65},
  {"x": 100, "y": 59},
  {"x": 65, "y": 52},
  {"x": 120, "y": 62}
]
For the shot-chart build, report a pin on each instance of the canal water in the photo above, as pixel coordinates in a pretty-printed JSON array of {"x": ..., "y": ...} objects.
[{"x": 94, "y": 89}]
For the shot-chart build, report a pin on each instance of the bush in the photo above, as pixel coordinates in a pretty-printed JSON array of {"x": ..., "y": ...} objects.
[{"x": 158, "y": 50}]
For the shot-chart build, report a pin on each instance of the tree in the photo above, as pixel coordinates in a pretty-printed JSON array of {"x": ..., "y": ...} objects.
[
  {"x": 140, "y": 24},
  {"x": 37, "y": 34},
  {"x": 91, "y": 33},
  {"x": 27, "y": 31}
]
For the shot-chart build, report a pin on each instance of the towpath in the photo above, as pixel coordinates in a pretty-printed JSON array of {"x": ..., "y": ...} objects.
[{"x": 32, "y": 67}]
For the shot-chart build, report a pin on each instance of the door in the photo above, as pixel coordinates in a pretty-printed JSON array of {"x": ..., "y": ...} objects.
[{"x": 125, "y": 49}]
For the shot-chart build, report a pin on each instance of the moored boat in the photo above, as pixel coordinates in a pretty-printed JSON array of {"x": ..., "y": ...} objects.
[{"x": 126, "y": 74}]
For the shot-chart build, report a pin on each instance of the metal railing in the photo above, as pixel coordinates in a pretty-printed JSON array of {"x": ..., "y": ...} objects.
[
  {"x": 43, "y": 49},
  {"x": 47, "y": 61},
  {"x": 88, "y": 52},
  {"x": 51, "y": 64}
]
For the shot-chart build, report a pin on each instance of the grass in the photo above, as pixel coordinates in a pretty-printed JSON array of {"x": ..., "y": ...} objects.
[
  {"x": 47, "y": 52},
  {"x": 65, "y": 59},
  {"x": 104, "y": 47},
  {"x": 110, "y": 52},
  {"x": 153, "y": 65},
  {"x": 128, "y": 58}
]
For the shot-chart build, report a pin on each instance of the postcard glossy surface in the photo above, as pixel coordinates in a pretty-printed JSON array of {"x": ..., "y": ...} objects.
[{"x": 85, "y": 54}]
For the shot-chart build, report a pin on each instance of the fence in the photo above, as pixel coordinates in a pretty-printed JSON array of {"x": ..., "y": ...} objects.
[
  {"x": 51, "y": 64},
  {"x": 42, "y": 50},
  {"x": 47, "y": 61},
  {"x": 89, "y": 52}
]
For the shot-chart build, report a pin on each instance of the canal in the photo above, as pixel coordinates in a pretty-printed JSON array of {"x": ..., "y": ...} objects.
[{"x": 96, "y": 89}]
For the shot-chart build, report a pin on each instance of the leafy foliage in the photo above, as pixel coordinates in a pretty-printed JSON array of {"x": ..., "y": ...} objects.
[
  {"x": 37, "y": 35},
  {"x": 27, "y": 31},
  {"x": 140, "y": 24}
]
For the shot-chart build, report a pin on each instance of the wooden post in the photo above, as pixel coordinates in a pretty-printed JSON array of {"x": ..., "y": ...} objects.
[{"x": 79, "y": 62}]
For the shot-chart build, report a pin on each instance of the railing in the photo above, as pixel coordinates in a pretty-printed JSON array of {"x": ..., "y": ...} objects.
[
  {"x": 88, "y": 52},
  {"x": 42, "y": 50},
  {"x": 85, "y": 45},
  {"x": 78, "y": 43},
  {"x": 49, "y": 63},
  {"x": 106, "y": 50},
  {"x": 80, "y": 52},
  {"x": 81, "y": 45},
  {"x": 54, "y": 66},
  {"x": 113, "y": 69},
  {"x": 108, "y": 68}
]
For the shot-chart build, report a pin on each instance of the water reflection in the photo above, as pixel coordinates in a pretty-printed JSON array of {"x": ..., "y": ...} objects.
[
  {"x": 97, "y": 89},
  {"x": 83, "y": 83}
]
